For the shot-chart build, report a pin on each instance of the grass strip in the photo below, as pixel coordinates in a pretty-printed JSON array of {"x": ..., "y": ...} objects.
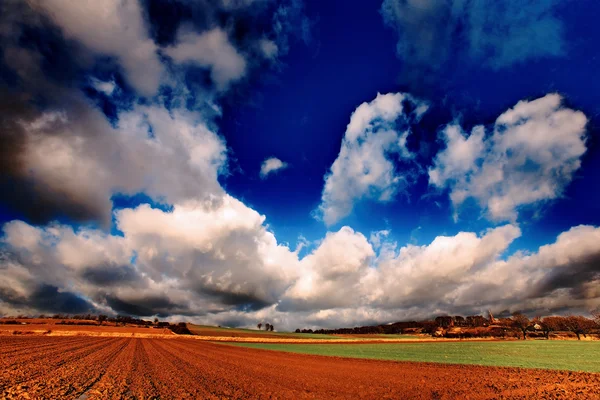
[{"x": 559, "y": 355}]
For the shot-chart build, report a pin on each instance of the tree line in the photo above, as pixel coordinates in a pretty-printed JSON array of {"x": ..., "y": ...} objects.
[
  {"x": 577, "y": 324},
  {"x": 480, "y": 326}
]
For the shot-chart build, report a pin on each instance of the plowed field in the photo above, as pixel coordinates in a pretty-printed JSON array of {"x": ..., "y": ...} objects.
[
  {"x": 99, "y": 367},
  {"x": 91, "y": 330}
]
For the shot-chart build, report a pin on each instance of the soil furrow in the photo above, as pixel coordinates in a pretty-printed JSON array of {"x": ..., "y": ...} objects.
[
  {"x": 27, "y": 356},
  {"x": 142, "y": 368},
  {"x": 36, "y": 365}
]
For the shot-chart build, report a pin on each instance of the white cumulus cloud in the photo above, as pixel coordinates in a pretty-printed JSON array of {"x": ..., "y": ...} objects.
[
  {"x": 530, "y": 156},
  {"x": 113, "y": 27},
  {"x": 375, "y": 140},
  {"x": 210, "y": 49},
  {"x": 78, "y": 154},
  {"x": 213, "y": 254},
  {"x": 216, "y": 260},
  {"x": 330, "y": 276}
]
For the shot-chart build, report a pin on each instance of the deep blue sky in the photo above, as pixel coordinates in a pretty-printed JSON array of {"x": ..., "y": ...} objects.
[{"x": 300, "y": 115}]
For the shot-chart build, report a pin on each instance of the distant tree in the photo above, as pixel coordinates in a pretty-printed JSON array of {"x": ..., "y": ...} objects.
[
  {"x": 272, "y": 327},
  {"x": 476, "y": 321},
  {"x": 579, "y": 325},
  {"x": 596, "y": 316},
  {"x": 521, "y": 322},
  {"x": 156, "y": 320},
  {"x": 444, "y": 321},
  {"x": 550, "y": 324},
  {"x": 428, "y": 327},
  {"x": 259, "y": 325},
  {"x": 298, "y": 330},
  {"x": 267, "y": 327},
  {"x": 102, "y": 318},
  {"x": 180, "y": 329}
]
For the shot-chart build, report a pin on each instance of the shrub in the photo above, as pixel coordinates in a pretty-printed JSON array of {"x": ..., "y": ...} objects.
[
  {"x": 180, "y": 329},
  {"x": 453, "y": 335},
  {"x": 481, "y": 333}
]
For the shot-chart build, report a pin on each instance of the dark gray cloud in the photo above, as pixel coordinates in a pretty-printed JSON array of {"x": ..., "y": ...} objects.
[
  {"x": 145, "y": 306},
  {"x": 106, "y": 275},
  {"x": 575, "y": 278},
  {"x": 48, "y": 298},
  {"x": 242, "y": 301},
  {"x": 39, "y": 69},
  {"x": 23, "y": 195}
]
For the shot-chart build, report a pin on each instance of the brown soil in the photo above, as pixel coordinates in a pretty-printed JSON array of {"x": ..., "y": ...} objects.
[
  {"x": 111, "y": 368},
  {"x": 234, "y": 333},
  {"x": 57, "y": 322},
  {"x": 96, "y": 330}
]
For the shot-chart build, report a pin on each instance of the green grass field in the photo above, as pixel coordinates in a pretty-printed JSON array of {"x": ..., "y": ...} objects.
[{"x": 562, "y": 355}]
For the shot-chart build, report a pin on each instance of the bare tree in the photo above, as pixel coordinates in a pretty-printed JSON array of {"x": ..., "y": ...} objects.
[
  {"x": 521, "y": 322},
  {"x": 596, "y": 316},
  {"x": 579, "y": 325},
  {"x": 551, "y": 324},
  {"x": 259, "y": 325}
]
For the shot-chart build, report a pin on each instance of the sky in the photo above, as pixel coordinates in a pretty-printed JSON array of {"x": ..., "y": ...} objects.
[{"x": 302, "y": 163}]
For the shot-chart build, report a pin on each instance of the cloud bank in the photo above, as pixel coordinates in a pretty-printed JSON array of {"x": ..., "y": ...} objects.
[{"x": 216, "y": 262}]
